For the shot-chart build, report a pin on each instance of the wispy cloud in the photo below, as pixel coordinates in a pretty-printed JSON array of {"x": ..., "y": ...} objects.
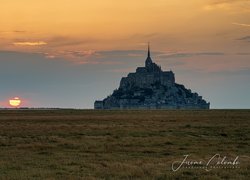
[
  {"x": 36, "y": 43},
  {"x": 70, "y": 53},
  {"x": 121, "y": 56},
  {"x": 241, "y": 24},
  {"x": 245, "y": 38},
  {"x": 236, "y": 5},
  {"x": 63, "y": 41},
  {"x": 243, "y": 54},
  {"x": 216, "y": 2},
  {"x": 211, "y": 7},
  {"x": 15, "y": 31},
  {"x": 184, "y": 55}
]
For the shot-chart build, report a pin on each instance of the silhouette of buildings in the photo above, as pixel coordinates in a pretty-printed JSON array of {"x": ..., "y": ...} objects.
[{"x": 151, "y": 88}]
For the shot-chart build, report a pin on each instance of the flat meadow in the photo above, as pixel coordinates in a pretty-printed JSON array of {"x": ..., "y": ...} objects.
[{"x": 130, "y": 144}]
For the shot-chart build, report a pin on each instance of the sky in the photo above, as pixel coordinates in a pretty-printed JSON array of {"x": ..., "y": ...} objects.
[{"x": 67, "y": 54}]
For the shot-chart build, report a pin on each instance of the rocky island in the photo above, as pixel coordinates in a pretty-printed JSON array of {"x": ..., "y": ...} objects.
[{"x": 151, "y": 88}]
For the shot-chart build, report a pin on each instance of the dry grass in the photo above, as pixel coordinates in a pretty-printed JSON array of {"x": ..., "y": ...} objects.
[{"x": 87, "y": 144}]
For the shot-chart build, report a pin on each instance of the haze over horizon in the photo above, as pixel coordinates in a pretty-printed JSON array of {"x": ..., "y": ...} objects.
[{"x": 64, "y": 54}]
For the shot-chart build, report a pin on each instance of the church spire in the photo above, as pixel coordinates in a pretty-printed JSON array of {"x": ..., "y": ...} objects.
[
  {"x": 148, "y": 49},
  {"x": 149, "y": 61}
]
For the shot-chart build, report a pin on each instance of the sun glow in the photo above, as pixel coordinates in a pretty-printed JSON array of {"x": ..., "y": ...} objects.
[{"x": 15, "y": 102}]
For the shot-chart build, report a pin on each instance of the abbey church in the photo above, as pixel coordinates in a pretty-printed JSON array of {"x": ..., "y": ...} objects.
[{"x": 151, "y": 88}]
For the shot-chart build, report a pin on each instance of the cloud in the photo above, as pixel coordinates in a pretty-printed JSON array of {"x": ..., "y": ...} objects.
[
  {"x": 184, "y": 55},
  {"x": 245, "y": 38},
  {"x": 240, "y": 24},
  {"x": 19, "y": 31},
  {"x": 121, "y": 56},
  {"x": 235, "y": 5},
  {"x": 77, "y": 56},
  {"x": 243, "y": 54},
  {"x": 119, "y": 53},
  {"x": 15, "y": 31},
  {"x": 96, "y": 57},
  {"x": 36, "y": 43},
  {"x": 216, "y": 6},
  {"x": 216, "y": 2},
  {"x": 62, "y": 41}
]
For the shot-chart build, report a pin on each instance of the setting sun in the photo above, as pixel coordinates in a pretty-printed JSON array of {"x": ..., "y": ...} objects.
[{"x": 15, "y": 102}]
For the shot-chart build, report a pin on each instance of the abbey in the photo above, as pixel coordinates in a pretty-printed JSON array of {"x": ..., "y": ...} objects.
[{"x": 151, "y": 88}]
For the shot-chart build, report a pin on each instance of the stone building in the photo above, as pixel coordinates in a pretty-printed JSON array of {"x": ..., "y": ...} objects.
[{"x": 151, "y": 88}]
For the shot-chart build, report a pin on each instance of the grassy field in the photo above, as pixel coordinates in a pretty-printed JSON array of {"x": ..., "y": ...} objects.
[{"x": 88, "y": 144}]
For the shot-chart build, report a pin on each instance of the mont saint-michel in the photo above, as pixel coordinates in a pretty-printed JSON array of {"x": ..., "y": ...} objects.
[{"x": 151, "y": 88}]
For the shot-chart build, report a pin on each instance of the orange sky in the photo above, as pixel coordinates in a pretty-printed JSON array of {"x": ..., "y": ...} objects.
[{"x": 104, "y": 25}]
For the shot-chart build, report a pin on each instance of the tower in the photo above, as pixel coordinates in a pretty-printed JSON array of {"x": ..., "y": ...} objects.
[{"x": 148, "y": 61}]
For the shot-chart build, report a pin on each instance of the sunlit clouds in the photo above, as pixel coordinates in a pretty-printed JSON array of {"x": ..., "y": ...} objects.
[
  {"x": 75, "y": 56},
  {"x": 38, "y": 43},
  {"x": 76, "y": 30},
  {"x": 235, "y": 6},
  {"x": 241, "y": 24}
]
